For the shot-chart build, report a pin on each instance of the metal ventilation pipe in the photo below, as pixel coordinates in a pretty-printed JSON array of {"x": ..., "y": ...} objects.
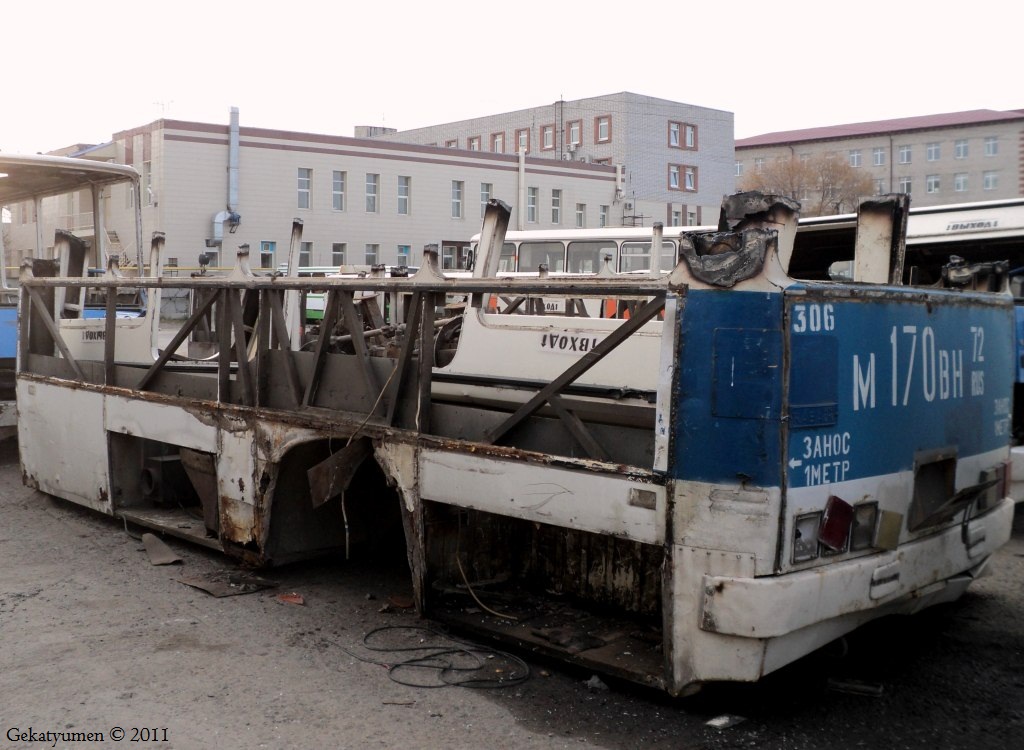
[{"x": 230, "y": 216}]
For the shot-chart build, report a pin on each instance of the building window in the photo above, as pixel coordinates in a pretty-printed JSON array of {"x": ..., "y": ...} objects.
[
  {"x": 573, "y": 129},
  {"x": 931, "y": 183},
  {"x": 547, "y": 137},
  {"x": 905, "y": 154},
  {"x": 960, "y": 149},
  {"x": 991, "y": 145},
  {"x": 485, "y": 196},
  {"x": 739, "y": 169},
  {"x": 879, "y": 187},
  {"x": 677, "y": 218},
  {"x": 603, "y": 129},
  {"x": 531, "y": 204},
  {"x": 878, "y": 157},
  {"x": 372, "y": 251},
  {"x": 404, "y": 254},
  {"x": 404, "y": 194},
  {"x": 689, "y": 177},
  {"x": 457, "y": 186},
  {"x": 305, "y": 254},
  {"x": 673, "y": 135},
  {"x": 933, "y": 152},
  {"x": 905, "y": 184},
  {"x": 372, "y": 191},
  {"x": 855, "y": 157},
  {"x": 523, "y": 140},
  {"x": 581, "y": 215},
  {"x": 556, "y": 206},
  {"x": 691, "y": 218},
  {"x": 474, "y": 143},
  {"x": 602, "y": 216},
  {"x": 960, "y": 182},
  {"x": 305, "y": 181},
  {"x": 338, "y": 253},
  {"x": 267, "y": 250},
  {"x": 990, "y": 180},
  {"x": 338, "y": 191},
  {"x": 682, "y": 135},
  {"x": 759, "y": 164},
  {"x": 498, "y": 143},
  {"x": 147, "y": 183},
  {"x": 453, "y": 143}
]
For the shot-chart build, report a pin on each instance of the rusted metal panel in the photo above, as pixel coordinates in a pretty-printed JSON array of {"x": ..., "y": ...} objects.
[
  {"x": 65, "y": 456},
  {"x": 332, "y": 476},
  {"x": 597, "y": 502}
]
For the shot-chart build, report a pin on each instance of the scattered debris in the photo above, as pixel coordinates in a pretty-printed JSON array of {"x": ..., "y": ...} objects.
[
  {"x": 247, "y": 579},
  {"x": 725, "y": 721},
  {"x": 158, "y": 551},
  {"x": 595, "y": 683},
  {"x": 856, "y": 687},
  {"x": 291, "y": 598},
  {"x": 571, "y": 639},
  {"x": 220, "y": 588}
]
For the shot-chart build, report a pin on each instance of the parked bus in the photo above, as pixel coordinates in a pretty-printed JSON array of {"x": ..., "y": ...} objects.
[
  {"x": 981, "y": 231},
  {"x": 77, "y": 244},
  {"x": 736, "y": 468}
]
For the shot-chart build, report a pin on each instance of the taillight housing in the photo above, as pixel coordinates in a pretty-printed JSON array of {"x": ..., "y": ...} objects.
[
  {"x": 865, "y": 518},
  {"x": 805, "y": 537}
]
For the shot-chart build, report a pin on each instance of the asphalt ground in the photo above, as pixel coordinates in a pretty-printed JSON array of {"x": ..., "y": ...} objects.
[{"x": 95, "y": 639}]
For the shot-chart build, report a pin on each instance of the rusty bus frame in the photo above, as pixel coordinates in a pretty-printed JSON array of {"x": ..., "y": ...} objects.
[{"x": 626, "y": 493}]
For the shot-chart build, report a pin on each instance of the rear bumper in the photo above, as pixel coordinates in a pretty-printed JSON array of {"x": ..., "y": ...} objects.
[{"x": 772, "y": 606}]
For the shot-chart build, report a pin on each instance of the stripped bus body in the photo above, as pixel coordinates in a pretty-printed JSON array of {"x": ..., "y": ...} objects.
[{"x": 737, "y": 468}]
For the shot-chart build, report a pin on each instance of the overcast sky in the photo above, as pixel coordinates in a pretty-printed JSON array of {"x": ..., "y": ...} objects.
[{"x": 77, "y": 73}]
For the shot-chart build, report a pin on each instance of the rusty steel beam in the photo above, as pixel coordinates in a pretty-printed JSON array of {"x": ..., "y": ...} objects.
[
  {"x": 577, "y": 428},
  {"x": 51, "y": 327},
  {"x": 581, "y": 286},
  {"x": 326, "y": 325},
  {"x": 426, "y": 362},
  {"x": 404, "y": 356},
  {"x": 172, "y": 347},
  {"x": 224, "y": 347},
  {"x": 241, "y": 352},
  {"x": 280, "y": 328},
  {"x": 355, "y": 325},
  {"x": 110, "y": 326}
]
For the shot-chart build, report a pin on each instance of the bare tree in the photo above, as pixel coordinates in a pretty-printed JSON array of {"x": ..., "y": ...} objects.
[{"x": 824, "y": 184}]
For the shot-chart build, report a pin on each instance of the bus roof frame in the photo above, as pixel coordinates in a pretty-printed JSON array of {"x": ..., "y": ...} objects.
[{"x": 39, "y": 176}]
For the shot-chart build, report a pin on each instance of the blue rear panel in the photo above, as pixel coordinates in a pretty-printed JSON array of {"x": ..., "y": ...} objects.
[
  {"x": 728, "y": 399},
  {"x": 872, "y": 382}
]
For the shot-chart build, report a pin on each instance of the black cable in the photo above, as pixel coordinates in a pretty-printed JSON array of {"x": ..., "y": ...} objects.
[{"x": 442, "y": 659}]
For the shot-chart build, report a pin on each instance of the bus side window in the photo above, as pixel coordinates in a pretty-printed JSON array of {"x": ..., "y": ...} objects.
[
  {"x": 586, "y": 256},
  {"x": 507, "y": 260},
  {"x": 636, "y": 256},
  {"x": 533, "y": 254}
]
